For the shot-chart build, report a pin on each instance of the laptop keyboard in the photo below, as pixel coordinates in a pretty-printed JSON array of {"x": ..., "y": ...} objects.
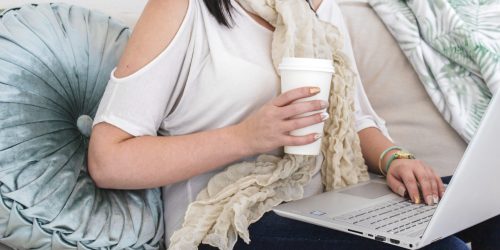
[{"x": 396, "y": 216}]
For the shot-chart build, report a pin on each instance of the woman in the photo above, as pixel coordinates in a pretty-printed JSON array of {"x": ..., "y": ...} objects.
[{"x": 200, "y": 74}]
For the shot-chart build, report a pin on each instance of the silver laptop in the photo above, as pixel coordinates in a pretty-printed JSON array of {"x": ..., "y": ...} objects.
[{"x": 371, "y": 210}]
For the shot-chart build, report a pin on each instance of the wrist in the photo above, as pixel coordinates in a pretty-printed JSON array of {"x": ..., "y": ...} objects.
[
  {"x": 401, "y": 154},
  {"x": 385, "y": 157},
  {"x": 242, "y": 141}
]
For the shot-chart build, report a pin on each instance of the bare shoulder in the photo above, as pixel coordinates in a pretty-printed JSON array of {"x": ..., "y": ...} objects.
[
  {"x": 155, "y": 29},
  {"x": 316, "y": 4}
]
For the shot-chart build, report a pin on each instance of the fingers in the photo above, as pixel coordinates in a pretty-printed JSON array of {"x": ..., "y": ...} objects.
[
  {"x": 411, "y": 185},
  {"x": 304, "y": 121},
  {"x": 425, "y": 181},
  {"x": 293, "y": 95},
  {"x": 269, "y": 127},
  {"x": 420, "y": 181},
  {"x": 440, "y": 184},
  {"x": 396, "y": 186},
  {"x": 290, "y": 111},
  {"x": 299, "y": 108},
  {"x": 301, "y": 140},
  {"x": 434, "y": 184}
]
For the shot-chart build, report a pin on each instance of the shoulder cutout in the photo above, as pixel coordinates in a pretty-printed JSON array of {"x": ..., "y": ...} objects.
[{"x": 155, "y": 29}]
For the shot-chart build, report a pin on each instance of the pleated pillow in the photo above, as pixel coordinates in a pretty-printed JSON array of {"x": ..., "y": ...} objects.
[{"x": 55, "y": 62}]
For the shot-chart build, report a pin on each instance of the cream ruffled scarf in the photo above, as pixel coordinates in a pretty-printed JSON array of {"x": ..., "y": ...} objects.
[{"x": 240, "y": 195}]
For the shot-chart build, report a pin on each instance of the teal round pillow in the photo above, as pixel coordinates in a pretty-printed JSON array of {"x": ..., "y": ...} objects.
[{"x": 55, "y": 62}]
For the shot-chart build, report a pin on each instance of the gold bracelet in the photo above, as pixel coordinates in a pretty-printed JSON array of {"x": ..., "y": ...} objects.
[
  {"x": 398, "y": 155},
  {"x": 382, "y": 155}
]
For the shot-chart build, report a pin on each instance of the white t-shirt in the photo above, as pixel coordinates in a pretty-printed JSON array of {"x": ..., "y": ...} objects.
[{"x": 210, "y": 76}]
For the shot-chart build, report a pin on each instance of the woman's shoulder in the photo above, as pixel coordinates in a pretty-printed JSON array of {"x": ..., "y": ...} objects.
[{"x": 155, "y": 30}]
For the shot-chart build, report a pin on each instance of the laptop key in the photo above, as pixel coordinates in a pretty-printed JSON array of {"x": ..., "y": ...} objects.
[{"x": 396, "y": 216}]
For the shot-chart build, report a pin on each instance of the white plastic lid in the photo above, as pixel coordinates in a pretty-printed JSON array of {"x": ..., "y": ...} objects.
[{"x": 312, "y": 64}]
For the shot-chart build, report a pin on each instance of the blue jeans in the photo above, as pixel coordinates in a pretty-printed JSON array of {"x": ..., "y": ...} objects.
[
  {"x": 483, "y": 236},
  {"x": 275, "y": 232}
]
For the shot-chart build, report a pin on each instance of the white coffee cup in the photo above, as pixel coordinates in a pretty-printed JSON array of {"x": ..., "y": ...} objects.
[{"x": 299, "y": 72}]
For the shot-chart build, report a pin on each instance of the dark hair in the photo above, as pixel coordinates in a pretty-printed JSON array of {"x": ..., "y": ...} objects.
[{"x": 221, "y": 10}]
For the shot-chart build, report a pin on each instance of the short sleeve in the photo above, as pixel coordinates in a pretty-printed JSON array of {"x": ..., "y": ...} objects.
[
  {"x": 366, "y": 117},
  {"x": 140, "y": 102}
]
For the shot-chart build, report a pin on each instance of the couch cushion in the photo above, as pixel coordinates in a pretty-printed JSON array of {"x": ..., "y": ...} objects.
[{"x": 396, "y": 93}]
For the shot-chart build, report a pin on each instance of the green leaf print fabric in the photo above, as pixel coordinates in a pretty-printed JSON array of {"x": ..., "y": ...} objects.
[{"x": 454, "y": 46}]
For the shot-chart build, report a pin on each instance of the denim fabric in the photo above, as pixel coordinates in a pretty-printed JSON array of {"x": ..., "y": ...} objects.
[
  {"x": 276, "y": 232},
  {"x": 483, "y": 236},
  {"x": 279, "y": 233}
]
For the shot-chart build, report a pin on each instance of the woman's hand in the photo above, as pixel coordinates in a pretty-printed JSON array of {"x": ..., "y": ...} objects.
[
  {"x": 409, "y": 176},
  {"x": 268, "y": 128}
]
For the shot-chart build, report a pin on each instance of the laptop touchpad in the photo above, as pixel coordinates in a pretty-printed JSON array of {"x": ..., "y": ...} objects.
[{"x": 371, "y": 190}]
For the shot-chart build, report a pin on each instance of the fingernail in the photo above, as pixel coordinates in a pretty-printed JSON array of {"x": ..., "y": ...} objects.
[
  {"x": 402, "y": 191},
  {"x": 324, "y": 104},
  {"x": 429, "y": 200},
  {"x": 317, "y": 136},
  {"x": 436, "y": 199},
  {"x": 314, "y": 90},
  {"x": 416, "y": 199},
  {"x": 324, "y": 116}
]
